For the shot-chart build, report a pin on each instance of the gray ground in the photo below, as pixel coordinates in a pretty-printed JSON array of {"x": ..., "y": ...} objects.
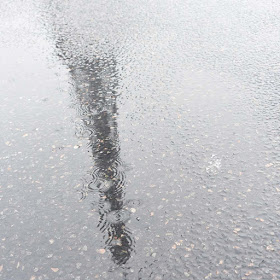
[{"x": 139, "y": 139}]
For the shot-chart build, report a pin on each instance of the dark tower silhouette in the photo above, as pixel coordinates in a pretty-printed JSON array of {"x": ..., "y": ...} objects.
[{"x": 95, "y": 84}]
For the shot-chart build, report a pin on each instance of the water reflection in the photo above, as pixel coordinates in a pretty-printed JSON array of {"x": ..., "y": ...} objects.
[{"x": 95, "y": 91}]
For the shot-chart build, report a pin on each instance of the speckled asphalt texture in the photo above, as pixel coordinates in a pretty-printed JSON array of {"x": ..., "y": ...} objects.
[{"x": 140, "y": 139}]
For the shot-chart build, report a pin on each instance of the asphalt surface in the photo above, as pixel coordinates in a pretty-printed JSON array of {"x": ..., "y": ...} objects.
[{"x": 139, "y": 139}]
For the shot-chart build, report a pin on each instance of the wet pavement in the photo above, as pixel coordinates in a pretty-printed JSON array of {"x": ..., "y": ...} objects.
[{"x": 139, "y": 139}]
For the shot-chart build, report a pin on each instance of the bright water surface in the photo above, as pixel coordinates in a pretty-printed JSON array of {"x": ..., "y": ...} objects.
[{"x": 139, "y": 139}]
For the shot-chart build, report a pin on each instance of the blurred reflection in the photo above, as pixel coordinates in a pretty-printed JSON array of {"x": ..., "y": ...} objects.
[{"x": 95, "y": 90}]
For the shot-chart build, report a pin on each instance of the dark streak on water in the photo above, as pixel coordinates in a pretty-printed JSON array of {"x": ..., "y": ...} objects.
[{"x": 95, "y": 89}]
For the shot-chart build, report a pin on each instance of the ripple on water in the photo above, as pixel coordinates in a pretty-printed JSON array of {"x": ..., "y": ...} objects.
[
  {"x": 118, "y": 216},
  {"x": 133, "y": 202}
]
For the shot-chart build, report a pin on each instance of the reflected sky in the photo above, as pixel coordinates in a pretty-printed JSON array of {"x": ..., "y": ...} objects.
[{"x": 185, "y": 93}]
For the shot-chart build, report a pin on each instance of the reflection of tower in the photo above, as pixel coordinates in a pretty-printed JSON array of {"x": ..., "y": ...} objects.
[{"x": 95, "y": 91}]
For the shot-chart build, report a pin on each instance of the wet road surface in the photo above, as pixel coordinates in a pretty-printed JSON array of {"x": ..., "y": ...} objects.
[{"x": 139, "y": 139}]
